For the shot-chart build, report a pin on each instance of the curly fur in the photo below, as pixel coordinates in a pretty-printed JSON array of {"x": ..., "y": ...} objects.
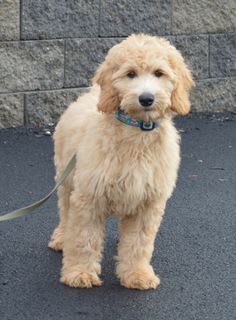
[{"x": 120, "y": 169}]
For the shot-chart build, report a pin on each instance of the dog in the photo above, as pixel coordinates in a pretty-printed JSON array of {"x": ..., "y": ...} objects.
[{"x": 127, "y": 159}]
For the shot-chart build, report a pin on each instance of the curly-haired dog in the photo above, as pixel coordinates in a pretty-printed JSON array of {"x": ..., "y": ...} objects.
[{"x": 128, "y": 155}]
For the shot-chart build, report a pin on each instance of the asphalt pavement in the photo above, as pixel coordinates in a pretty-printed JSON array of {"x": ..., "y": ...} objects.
[{"x": 195, "y": 250}]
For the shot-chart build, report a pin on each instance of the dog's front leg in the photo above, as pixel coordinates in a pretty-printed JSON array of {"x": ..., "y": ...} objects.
[
  {"x": 137, "y": 235},
  {"x": 83, "y": 242}
]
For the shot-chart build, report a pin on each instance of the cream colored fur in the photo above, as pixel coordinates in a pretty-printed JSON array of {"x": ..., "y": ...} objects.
[{"x": 120, "y": 170}]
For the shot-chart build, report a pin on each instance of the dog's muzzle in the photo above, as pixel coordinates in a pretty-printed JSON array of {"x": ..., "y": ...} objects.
[{"x": 146, "y": 99}]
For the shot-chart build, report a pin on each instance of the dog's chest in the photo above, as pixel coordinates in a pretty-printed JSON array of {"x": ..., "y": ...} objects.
[
  {"x": 124, "y": 176},
  {"x": 131, "y": 184}
]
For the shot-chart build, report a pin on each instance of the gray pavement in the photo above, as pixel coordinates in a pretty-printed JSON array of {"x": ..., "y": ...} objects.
[{"x": 195, "y": 252}]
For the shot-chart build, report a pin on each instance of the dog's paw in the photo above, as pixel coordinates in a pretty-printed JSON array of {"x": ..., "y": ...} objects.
[
  {"x": 56, "y": 245},
  {"x": 79, "y": 278},
  {"x": 56, "y": 242},
  {"x": 141, "y": 279}
]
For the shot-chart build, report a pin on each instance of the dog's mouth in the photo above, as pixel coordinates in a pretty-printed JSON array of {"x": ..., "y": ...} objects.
[
  {"x": 148, "y": 109},
  {"x": 136, "y": 110}
]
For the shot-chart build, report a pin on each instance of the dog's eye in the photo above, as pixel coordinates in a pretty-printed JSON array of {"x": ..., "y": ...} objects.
[
  {"x": 158, "y": 73},
  {"x": 131, "y": 74}
]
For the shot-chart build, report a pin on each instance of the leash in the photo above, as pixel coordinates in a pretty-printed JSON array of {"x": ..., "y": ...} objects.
[
  {"x": 119, "y": 115},
  {"x": 30, "y": 208}
]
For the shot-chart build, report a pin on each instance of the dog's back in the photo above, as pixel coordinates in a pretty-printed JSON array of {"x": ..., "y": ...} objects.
[{"x": 72, "y": 125}]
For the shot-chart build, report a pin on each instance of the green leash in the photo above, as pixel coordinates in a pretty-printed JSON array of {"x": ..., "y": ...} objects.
[{"x": 30, "y": 208}]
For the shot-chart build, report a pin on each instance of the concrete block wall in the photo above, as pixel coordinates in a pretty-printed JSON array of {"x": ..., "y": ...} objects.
[{"x": 49, "y": 49}]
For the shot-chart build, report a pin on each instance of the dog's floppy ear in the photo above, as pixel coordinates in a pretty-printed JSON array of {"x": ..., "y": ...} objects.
[
  {"x": 180, "y": 102},
  {"x": 108, "y": 101}
]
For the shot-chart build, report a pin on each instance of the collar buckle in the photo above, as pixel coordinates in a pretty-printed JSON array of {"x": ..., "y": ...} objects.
[{"x": 147, "y": 125}]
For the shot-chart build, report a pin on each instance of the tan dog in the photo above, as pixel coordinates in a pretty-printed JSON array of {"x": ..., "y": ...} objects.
[{"x": 121, "y": 169}]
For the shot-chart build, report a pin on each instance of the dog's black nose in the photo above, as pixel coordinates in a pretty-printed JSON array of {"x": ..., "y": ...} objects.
[{"x": 146, "y": 99}]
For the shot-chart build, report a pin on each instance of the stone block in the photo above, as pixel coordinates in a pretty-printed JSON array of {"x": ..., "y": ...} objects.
[
  {"x": 223, "y": 55},
  {"x": 46, "y": 107},
  {"x": 122, "y": 17},
  {"x": 214, "y": 95},
  {"x": 82, "y": 58},
  {"x": 195, "y": 51},
  {"x": 11, "y": 110},
  {"x": 202, "y": 16},
  {"x": 31, "y": 65},
  {"x": 45, "y": 19},
  {"x": 9, "y": 20}
]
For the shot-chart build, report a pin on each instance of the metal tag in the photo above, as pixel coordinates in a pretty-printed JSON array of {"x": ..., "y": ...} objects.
[{"x": 147, "y": 126}]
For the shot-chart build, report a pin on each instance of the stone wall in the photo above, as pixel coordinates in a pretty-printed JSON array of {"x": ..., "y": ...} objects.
[{"x": 49, "y": 49}]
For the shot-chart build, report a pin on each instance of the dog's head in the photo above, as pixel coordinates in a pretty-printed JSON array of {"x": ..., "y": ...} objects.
[{"x": 146, "y": 77}]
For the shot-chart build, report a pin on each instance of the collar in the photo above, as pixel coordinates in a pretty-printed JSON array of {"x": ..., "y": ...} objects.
[{"x": 143, "y": 125}]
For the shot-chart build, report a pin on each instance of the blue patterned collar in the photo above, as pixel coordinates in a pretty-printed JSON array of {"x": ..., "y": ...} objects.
[{"x": 143, "y": 125}]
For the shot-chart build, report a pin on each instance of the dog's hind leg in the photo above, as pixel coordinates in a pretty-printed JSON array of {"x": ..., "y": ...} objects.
[{"x": 57, "y": 238}]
